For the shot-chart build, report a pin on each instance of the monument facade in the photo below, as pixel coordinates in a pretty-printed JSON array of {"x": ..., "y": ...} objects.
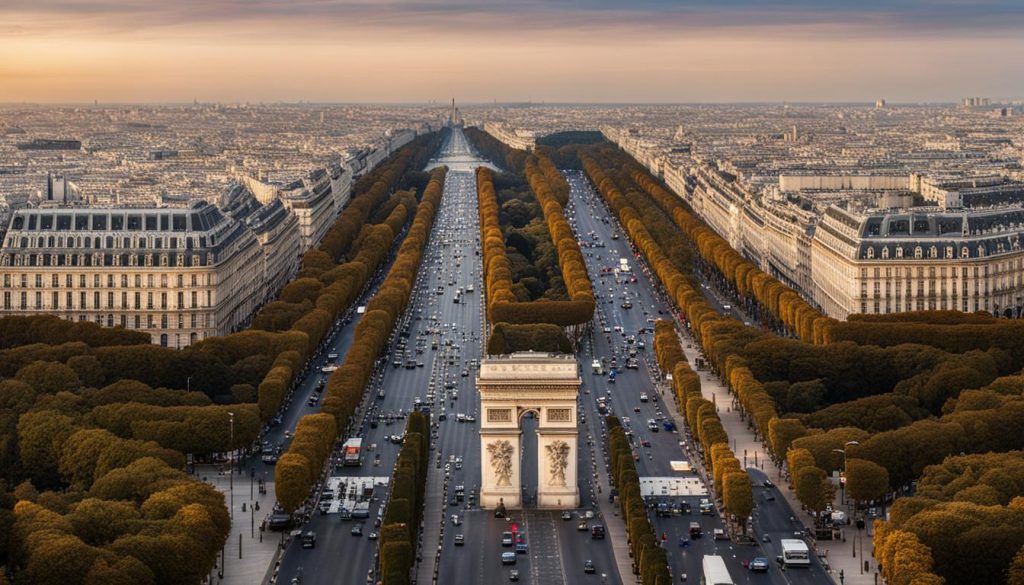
[{"x": 509, "y": 387}]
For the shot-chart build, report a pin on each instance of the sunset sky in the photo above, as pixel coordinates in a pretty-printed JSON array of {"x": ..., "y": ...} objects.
[{"x": 513, "y": 50}]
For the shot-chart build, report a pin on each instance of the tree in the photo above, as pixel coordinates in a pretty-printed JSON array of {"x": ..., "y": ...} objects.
[
  {"x": 49, "y": 377},
  {"x": 782, "y": 432},
  {"x": 738, "y": 497},
  {"x": 41, "y": 436},
  {"x": 866, "y": 480},
  {"x": 813, "y": 488},
  {"x": 1015, "y": 574},
  {"x": 293, "y": 479}
]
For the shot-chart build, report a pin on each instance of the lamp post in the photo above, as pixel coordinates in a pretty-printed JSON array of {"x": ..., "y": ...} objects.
[
  {"x": 231, "y": 462},
  {"x": 842, "y": 479}
]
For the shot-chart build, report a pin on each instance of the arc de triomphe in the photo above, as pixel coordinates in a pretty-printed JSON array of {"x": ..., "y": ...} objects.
[{"x": 509, "y": 387}]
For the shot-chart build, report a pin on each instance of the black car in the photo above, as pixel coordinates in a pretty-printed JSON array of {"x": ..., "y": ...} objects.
[{"x": 588, "y": 567}]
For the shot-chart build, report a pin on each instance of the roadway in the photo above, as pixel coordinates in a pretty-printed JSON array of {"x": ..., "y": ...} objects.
[{"x": 605, "y": 244}]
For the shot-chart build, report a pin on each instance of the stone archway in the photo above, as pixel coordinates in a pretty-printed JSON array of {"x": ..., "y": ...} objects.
[{"x": 509, "y": 387}]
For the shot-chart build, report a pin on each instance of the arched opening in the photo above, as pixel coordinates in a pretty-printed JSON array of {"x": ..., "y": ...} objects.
[{"x": 528, "y": 476}]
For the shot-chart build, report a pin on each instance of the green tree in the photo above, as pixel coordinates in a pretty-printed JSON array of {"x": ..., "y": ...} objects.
[
  {"x": 813, "y": 488},
  {"x": 49, "y": 377},
  {"x": 41, "y": 437},
  {"x": 738, "y": 497},
  {"x": 293, "y": 479},
  {"x": 866, "y": 480}
]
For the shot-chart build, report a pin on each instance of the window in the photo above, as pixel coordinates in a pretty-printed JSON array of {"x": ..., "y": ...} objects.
[{"x": 918, "y": 252}]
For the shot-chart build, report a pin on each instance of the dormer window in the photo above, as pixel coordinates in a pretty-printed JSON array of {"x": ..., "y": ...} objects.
[
  {"x": 899, "y": 251},
  {"x": 885, "y": 253},
  {"x": 981, "y": 251},
  {"x": 918, "y": 253},
  {"x": 871, "y": 253},
  {"x": 949, "y": 251},
  {"x": 965, "y": 252},
  {"x": 933, "y": 252}
]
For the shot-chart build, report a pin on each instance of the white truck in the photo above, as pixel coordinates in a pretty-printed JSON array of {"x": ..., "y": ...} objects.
[
  {"x": 623, "y": 265},
  {"x": 714, "y": 571},
  {"x": 795, "y": 553},
  {"x": 352, "y": 452}
]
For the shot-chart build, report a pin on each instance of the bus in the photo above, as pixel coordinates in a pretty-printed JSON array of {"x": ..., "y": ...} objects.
[
  {"x": 795, "y": 553},
  {"x": 715, "y": 572}
]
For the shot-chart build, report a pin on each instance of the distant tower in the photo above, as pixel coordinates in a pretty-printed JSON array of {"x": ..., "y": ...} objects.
[{"x": 879, "y": 104}]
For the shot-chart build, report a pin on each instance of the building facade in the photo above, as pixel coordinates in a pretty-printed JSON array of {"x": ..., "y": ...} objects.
[
  {"x": 179, "y": 274},
  {"x": 919, "y": 260}
]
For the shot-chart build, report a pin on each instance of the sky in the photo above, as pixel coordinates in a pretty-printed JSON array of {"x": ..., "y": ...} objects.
[{"x": 509, "y": 50}]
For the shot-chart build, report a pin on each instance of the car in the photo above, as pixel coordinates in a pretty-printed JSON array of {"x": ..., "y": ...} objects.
[
  {"x": 309, "y": 539},
  {"x": 582, "y": 526},
  {"x": 357, "y": 530},
  {"x": 513, "y": 575},
  {"x": 372, "y": 536},
  {"x": 588, "y": 567},
  {"x": 768, "y": 483},
  {"x": 460, "y": 540},
  {"x": 508, "y": 558},
  {"x": 759, "y": 564},
  {"x": 566, "y": 515},
  {"x": 506, "y": 539},
  {"x": 521, "y": 548},
  {"x": 766, "y": 538},
  {"x": 597, "y": 532}
]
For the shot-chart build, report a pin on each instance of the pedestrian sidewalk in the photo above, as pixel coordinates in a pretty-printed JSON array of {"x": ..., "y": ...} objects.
[
  {"x": 433, "y": 520},
  {"x": 250, "y": 553},
  {"x": 614, "y": 525},
  {"x": 752, "y": 453}
]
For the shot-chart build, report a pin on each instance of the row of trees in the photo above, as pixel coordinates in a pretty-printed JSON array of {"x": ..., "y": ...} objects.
[
  {"x": 16, "y": 331},
  {"x": 732, "y": 484},
  {"x": 324, "y": 288},
  {"x": 649, "y": 560},
  {"x": 296, "y": 477},
  {"x": 404, "y": 512},
  {"x": 299, "y": 469},
  {"x": 749, "y": 282},
  {"x": 552, "y": 192},
  {"x": 512, "y": 159},
  {"x": 509, "y": 338},
  {"x": 502, "y": 303}
]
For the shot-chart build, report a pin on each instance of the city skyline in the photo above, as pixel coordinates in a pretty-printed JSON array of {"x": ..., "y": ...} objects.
[{"x": 416, "y": 51}]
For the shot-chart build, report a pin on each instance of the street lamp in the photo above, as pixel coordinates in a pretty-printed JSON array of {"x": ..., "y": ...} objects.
[
  {"x": 842, "y": 478},
  {"x": 231, "y": 462}
]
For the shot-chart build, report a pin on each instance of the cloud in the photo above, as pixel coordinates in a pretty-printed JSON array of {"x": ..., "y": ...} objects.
[{"x": 871, "y": 17}]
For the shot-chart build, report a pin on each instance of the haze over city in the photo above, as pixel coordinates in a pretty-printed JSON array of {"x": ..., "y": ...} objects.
[{"x": 551, "y": 51}]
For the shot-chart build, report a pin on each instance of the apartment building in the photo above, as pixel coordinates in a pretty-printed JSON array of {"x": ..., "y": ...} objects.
[
  {"x": 915, "y": 260},
  {"x": 179, "y": 274}
]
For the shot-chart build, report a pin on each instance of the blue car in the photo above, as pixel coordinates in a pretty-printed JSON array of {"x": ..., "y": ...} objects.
[{"x": 521, "y": 548}]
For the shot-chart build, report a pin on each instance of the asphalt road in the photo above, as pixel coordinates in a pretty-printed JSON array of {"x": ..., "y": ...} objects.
[
  {"x": 595, "y": 225},
  {"x": 556, "y": 550}
]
